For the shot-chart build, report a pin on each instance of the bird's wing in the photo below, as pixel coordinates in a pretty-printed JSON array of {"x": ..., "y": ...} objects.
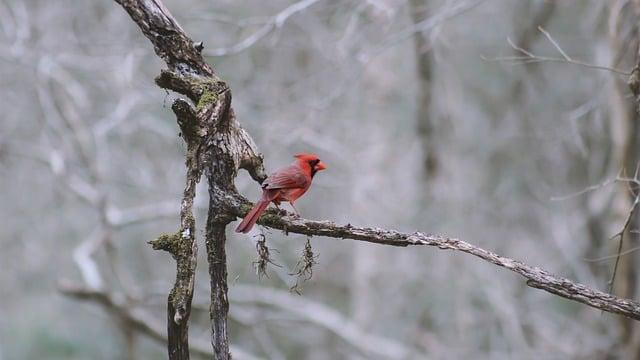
[{"x": 286, "y": 178}]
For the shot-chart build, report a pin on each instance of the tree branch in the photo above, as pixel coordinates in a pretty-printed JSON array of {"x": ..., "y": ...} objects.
[
  {"x": 536, "y": 277},
  {"x": 139, "y": 320},
  {"x": 315, "y": 312},
  {"x": 217, "y": 145},
  {"x": 275, "y": 22},
  {"x": 169, "y": 40},
  {"x": 528, "y": 57}
]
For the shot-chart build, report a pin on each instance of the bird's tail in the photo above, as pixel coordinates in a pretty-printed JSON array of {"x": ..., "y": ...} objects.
[{"x": 252, "y": 216}]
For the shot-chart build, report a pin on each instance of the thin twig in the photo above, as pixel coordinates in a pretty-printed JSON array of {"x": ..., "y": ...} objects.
[
  {"x": 584, "y": 191},
  {"x": 370, "y": 344},
  {"x": 523, "y": 60},
  {"x": 275, "y": 22},
  {"x": 447, "y": 12},
  {"x": 635, "y": 180},
  {"x": 629, "y": 181},
  {"x": 555, "y": 44},
  {"x": 608, "y": 257},
  {"x": 140, "y": 320},
  {"x": 531, "y": 58},
  {"x": 620, "y": 235}
]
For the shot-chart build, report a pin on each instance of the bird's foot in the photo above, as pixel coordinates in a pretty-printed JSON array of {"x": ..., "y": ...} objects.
[
  {"x": 296, "y": 213},
  {"x": 281, "y": 211}
]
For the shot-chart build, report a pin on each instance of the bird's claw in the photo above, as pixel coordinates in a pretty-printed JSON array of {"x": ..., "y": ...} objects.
[{"x": 281, "y": 211}]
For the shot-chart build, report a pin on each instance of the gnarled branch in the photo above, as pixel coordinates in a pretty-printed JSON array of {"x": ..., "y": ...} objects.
[
  {"x": 536, "y": 277},
  {"x": 217, "y": 146}
]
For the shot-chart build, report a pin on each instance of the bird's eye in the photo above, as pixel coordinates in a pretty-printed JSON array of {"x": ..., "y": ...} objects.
[{"x": 313, "y": 163}]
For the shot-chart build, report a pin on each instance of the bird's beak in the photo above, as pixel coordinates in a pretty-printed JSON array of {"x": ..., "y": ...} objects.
[{"x": 320, "y": 166}]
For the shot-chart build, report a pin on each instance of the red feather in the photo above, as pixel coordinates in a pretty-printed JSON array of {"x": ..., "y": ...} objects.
[{"x": 286, "y": 184}]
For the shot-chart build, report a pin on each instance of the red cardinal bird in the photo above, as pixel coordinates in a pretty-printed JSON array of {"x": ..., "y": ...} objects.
[{"x": 286, "y": 184}]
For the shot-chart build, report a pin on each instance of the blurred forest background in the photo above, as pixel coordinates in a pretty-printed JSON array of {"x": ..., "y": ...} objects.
[{"x": 421, "y": 130}]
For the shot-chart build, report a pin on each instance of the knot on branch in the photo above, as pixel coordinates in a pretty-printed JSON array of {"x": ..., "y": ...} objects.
[
  {"x": 167, "y": 242},
  {"x": 177, "y": 244},
  {"x": 254, "y": 164},
  {"x": 171, "y": 81},
  {"x": 192, "y": 85},
  {"x": 226, "y": 202},
  {"x": 178, "y": 298}
]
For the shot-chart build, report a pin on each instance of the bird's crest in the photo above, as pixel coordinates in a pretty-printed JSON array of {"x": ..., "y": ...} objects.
[{"x": 306, "y": 156}]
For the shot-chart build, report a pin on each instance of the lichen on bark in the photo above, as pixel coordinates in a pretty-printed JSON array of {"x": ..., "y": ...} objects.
[
  {"x": 166, "y": 242},
  {"x": 207, "y": 98}
]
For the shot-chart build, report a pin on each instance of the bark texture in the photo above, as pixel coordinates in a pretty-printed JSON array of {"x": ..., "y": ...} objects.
[{"x": 217, "y": 146}]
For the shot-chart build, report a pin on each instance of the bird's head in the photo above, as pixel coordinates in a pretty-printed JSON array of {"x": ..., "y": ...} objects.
[{"x": 311, "y": 161}]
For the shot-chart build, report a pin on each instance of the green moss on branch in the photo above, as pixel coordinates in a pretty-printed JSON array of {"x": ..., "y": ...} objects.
[
  {"x": 207, "y": 98},
  {"x": 167, "y": 242}
]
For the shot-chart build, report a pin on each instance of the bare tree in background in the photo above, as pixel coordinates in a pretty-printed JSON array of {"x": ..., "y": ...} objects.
[
  {"x": 89, "y": 154},
  {"x": 219, "y": 147},
  {"x": 426, "y": 117},
  {"x": 624, "y": 35}
]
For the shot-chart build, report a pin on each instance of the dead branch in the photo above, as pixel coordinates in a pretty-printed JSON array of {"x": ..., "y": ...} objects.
[
  {"x": 322, "y": 315},
  {"x": 446, "y": 12},
  {"x": 218, "y": 147},
  {"x": 139, "y": 320},
  {"x": 274, "y": 23},
  {"x": 625, "y": 227},
  {"x": 535, "y": 276},
  {"x": 528, "y": 57}
]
